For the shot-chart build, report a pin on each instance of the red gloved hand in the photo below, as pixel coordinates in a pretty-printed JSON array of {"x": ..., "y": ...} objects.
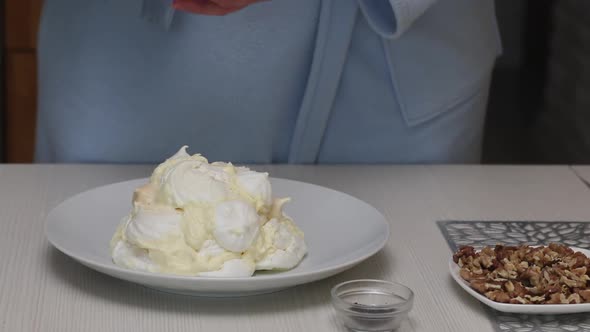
[{"x": 212, "y": 7}]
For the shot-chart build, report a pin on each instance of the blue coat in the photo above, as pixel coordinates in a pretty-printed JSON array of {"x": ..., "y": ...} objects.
[{"x": 307, "y": 81}]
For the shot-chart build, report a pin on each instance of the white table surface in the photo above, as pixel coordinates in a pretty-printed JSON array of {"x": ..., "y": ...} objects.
[
  {"x": 583, "y": 172},
  {"x": 43, "y": 290}
]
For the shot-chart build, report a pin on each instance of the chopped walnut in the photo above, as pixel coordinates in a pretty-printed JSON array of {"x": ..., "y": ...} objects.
[
  {"x": 518, "y": 300},
  {"x": 585, "y": 294},
  {"x": 478, "y": 285},
  {"x": 498, "y": 296},
  {"x": 509, "y": 286},
  {"x": 535, "y": 299},
  {"x": 574, "y": 298},
  {"x": 554, "y": 274},
  {"x": 556, "y": 299}
]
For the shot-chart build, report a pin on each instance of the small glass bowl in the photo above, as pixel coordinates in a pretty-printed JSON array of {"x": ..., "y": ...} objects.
[{"x": 372, "y": 305}]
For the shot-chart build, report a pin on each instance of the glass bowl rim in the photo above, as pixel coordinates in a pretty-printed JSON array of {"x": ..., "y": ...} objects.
[{"x": 363, "y": 310}]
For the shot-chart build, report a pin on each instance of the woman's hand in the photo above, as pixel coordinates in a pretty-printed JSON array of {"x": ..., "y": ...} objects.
[{"x": 212, "y": 7}]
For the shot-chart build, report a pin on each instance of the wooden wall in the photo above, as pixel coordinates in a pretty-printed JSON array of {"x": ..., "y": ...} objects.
[{"x": 21, "y": 21}]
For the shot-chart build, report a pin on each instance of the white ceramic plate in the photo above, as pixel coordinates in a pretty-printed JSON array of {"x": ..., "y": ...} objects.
[
  {"x": 340, "y": 231},
  {"x": 539, "y": 309}
]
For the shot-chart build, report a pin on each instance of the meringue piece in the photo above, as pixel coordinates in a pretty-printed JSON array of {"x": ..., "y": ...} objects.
[
  {"x": 218, "y": 171},
  {"x": 132, "y": 257},
  {"x": 154, "y": 228},
  {"x": 184, "y": 183},
  {"x": 181, "y": 153},
  {"x": 236, "y": 225},
  {"x": 235, "y": 268},
  {"x": 156, "y": 177},
  {"x": 255, "y": 184},
  {"x": 285, "y": 246}
]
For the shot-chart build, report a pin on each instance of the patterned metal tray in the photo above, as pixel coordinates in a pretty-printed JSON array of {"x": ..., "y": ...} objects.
[{"x": 483, "y": 233}]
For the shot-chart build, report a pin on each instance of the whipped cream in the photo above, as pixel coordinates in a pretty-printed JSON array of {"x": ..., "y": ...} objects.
[{"x": 206, "y": 219}]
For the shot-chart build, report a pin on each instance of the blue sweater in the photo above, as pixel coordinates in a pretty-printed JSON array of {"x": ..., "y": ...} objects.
[{"x": 306, "y": 81}]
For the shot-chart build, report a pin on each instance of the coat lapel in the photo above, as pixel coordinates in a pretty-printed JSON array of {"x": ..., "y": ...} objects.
[{"x": 336, "y": 23}]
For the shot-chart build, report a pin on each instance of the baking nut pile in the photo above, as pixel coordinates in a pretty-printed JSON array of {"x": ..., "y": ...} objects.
[{"x": 554, "y": 274}]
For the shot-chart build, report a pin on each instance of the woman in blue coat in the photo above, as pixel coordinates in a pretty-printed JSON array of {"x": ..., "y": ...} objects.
[{"x": 281, "y": 81}]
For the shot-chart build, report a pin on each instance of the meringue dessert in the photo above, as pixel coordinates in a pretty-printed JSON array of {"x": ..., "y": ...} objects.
[{"x": 196, "y": 218}]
